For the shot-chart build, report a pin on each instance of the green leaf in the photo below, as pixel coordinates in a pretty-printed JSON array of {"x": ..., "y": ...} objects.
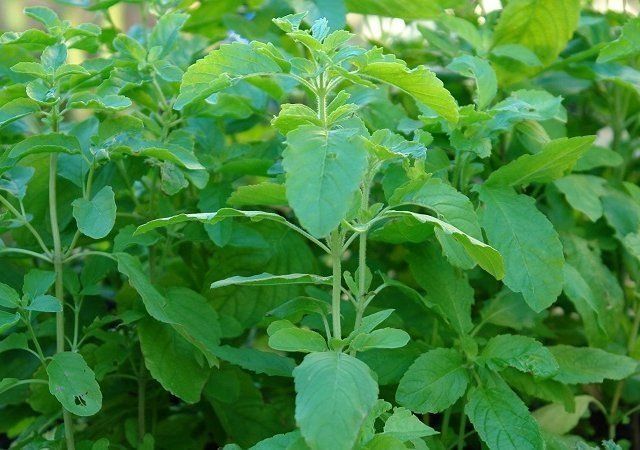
[
  {"x": 70, "y": 69},
  {"x": 267, "y": 279},
  {"x": 482, "y": 72},
  {"x": 166, "y": 32},
  {"x": 583, "y": 193},
  {"x": 53, "y": 57},
  {"x": 264, "y": 194},
  {"x": 335, "y": 392},
  {"x": 8, "y": 383},
  {"x": 45, "y": 303},
  {"x": 554, "y": 418},
  {"x": 579, "y": 292},
  {"x": 257, "y": 361},
  {"x": 220, "y": 68},
  {"x": 383, "y": 338},
  {"x": 622, "y": 213},
  {"x": 171, "y": 360},
  {"x": 542, "y": 388},
  {"x": 74, "y": 384},
  {"x": 15, "y": 180},
  {"x": 45, "y": 16},
  {"x": 293, "y": 116},
  {"x": 486, "y": 256},
  {"x": 370, "y": 322},
  {"x": 96, "y": 217},
  {"x": 465, "y": 30},
  {"x": 405, "y": 426},
  {"x": 290, "y": 22},
  {"x": 168, "y": 72},
  {"x": 172, "y": 153},
  {"x": 9, "y": 297},
  {"x": 508, "y": 309},
  {"x": 125, "y": 239},
  {"x": 384, "y": 442},
  {"x": 448, "y": 290},
  {"x": 451, "y": 206},
  {"x": 502, "y": 419},
  {"x": 292, "y": 440},
  {"x": 628, "y": 44},
  {"x": 555, "y": 159},
  {"x": 129, "y": 48},
  {"x": 420, "y": 83},
  {"x": 418, "y": 9},
  {"x": 30, "y": 68},
  {"x": 518, "y": 53},
  {"x": 89, "y": 100},
  {"x": 531, "y": 248},
  {"x": 597, "y": 156},
  {"x": 520, "y": 352},
  {"x": 294, "y": 339},
  {"x": 37, "y": 282},
  {"x": 543, "y": 26},
  {"x": 632, "y": 244},
  {"x": 385, "y": 144},
  {"x": 593, "y": 289},
  {"x": 434, "y": 382},
  {"x": 195, "y": 319},
  {"x": 46, "y": 143},
  {"x": 154, "y": 302},
  {"x": 581, "y": 365},
  {"x": 323, "y": 172},
  {"x": 296, "y": 307},
  {"x": 209, "y": 218},
  {"x": 7, "y": 320},
  {"x": 265, "y": 246}
]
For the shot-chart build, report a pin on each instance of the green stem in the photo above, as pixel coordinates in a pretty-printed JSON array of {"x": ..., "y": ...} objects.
[
  {"x": 633, "y": 410},
  {"x": 615, "y": 403},
  {"x": 336, "y": 262},
  {"x": 617, "y": 395},
  {"x": 89, "y": 253},
  {"x": 362, "y": 259},
  {"x": 25, "y": 252},
  {"x": 76, "y": 324},
  {"x": 57, "y": 249},
  {"x": 58, "y": 267},
  {"x": 34, "y": 338},
  {"x": 142, "y": 391},
  {"x": 445, "y": 424},
  {"x": 33, "y": 231},
  {"x": 461, "y": 429},
  {"x": 321, "y": 95}
]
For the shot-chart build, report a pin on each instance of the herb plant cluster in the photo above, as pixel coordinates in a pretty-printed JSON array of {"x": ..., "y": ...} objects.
[{"x": 237, "y": 224}]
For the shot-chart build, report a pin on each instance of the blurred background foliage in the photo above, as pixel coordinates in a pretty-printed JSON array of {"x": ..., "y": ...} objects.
[{"x": 128, "y": 13}]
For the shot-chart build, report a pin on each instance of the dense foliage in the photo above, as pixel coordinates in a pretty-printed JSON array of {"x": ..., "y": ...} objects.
[{"x": 239, "y": 224}]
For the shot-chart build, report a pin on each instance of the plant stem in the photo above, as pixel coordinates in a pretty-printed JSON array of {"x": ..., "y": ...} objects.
[
  {"x": 19, "y": 215},
  {"x": 445, "y": 424},
  {"x": 362, "y": 259},
  {"x": 34, "y": 338},
  {"x": 321, "y": 95},
  {"x": 142, "y": 391},
  {"x": 336, "y": 262},
  {"x": 25, "y": 252},
  {"x": 613, "y": 422},
  {"x": 57, "y": 266},
  {"x": 617, "y": 395},
  {"x": 461, "y": 429},
  {"x": 76, "y": 324}
]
